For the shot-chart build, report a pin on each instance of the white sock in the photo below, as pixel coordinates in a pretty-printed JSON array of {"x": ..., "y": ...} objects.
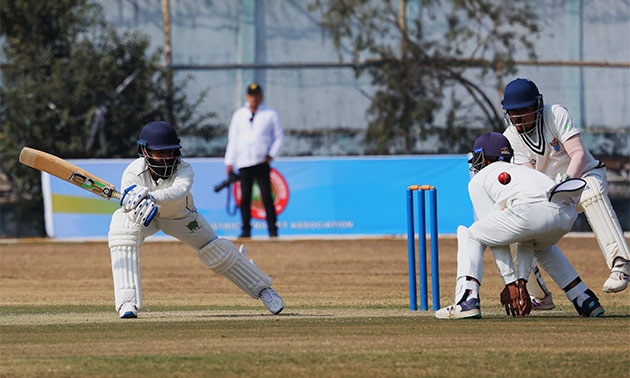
[
  {"x": 576, "y": 291},
  {"x": 470, "y": 289},
  {"x": 581, "y": 298},
  {"x": 473, "y": 294}
]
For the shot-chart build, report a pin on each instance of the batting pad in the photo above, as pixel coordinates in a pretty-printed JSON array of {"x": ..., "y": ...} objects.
[
  {"x": 603, "y": 221},
  {"x": 124, "y": 250},
  {"x": 222, "y": 257}
]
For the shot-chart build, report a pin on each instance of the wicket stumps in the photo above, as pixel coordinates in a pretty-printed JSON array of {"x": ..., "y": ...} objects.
[{"x": 411, "y": 249}]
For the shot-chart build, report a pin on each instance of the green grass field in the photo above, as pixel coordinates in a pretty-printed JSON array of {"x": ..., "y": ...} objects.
[{"x": 347, "y": 314}]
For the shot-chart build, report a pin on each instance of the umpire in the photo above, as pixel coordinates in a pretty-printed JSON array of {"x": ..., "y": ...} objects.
[{"x": 255, "y": 138}]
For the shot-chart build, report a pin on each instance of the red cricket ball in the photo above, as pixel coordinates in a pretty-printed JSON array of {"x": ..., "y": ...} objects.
[{"x": 504, "y": 178}]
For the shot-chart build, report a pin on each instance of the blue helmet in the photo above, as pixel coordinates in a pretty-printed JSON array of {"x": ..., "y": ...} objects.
[
  {"x": 493, "y": 146},
  {"x": 520, "y": 93},
  {"x": 159, "y": 136}
]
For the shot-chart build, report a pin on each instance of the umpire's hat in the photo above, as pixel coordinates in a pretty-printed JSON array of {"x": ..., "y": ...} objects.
[{"x": 254, "y": 89}]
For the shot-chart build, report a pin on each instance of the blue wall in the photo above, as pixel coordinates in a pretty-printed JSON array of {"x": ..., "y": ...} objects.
[{"x": 332, "y": 196}]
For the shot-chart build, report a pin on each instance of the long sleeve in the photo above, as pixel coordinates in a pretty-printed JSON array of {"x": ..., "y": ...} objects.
[
  {"x": 278, "y": 137},
  {"x": 178, "y": 190},
  {"x": 231, "y": 150}
]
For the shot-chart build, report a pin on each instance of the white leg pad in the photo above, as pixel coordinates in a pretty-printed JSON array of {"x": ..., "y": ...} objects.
[
  {"x": 124, "y": 247},
  {"x": 603, "y": 221},
  {"x": 222, "y": 257}
]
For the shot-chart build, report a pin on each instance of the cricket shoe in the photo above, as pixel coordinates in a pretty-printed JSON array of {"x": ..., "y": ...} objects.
[
  {"x": 543, "y": 304},
  {"x": 619, "y": 277},
  {"x": 470, "y": 308},
  {"x": 128, "y": 311},
  {"x": 590, "y": 308},
  {"x": 272, "y": 300}
]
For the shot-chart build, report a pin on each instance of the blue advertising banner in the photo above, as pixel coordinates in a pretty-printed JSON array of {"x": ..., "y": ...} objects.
[{"x": 313, "y": 196}]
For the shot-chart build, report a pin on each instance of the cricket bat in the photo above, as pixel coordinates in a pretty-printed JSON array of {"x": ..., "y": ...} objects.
[{"x": 68, "y": 172}]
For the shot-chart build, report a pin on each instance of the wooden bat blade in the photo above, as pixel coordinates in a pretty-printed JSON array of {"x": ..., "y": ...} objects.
[{"x": 67, "y": 171}]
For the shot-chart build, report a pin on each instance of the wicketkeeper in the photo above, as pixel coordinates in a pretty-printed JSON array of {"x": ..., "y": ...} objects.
[
  {"x": 157, "y": 197},
  {"x": 527, "y": 208}
]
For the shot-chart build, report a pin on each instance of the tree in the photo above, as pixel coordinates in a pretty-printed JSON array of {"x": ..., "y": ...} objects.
[
  {"x": 413, "y": 71},
  {"x": 73, "y": 86}
]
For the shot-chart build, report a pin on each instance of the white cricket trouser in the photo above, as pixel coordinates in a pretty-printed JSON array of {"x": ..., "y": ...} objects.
[{"x": 543, "y": 223}]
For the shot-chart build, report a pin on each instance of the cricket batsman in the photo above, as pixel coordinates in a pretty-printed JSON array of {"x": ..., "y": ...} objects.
[
  {"x": 157, "y": 197},
  {"x": 544, "y": 137},
  {"x": 515, "y": 204}
]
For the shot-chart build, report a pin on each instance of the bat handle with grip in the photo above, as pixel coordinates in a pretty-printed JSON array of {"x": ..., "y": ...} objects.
[{"x": 152, "y": 215}]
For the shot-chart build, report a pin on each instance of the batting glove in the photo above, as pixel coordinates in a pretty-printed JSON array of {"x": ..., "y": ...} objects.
[
  {"x": 132, "y": 196},
  {"x": 144, "y": 213}
]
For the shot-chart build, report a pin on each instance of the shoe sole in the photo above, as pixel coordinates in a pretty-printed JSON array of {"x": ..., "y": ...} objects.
[
  {"x": 546, "y": 307},
  {"x": 128, "y": 315},
  {"x": 471, "y": 314},
  {"x": 597, "y": 312},
  {"x": 610, "y": 291}
]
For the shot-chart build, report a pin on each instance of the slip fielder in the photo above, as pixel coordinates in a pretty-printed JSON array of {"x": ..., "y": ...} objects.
[{"x": 544, "y": 137}]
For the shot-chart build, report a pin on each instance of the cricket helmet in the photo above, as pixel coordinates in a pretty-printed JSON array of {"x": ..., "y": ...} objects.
[
  {"x": 492, "y": 146},
  {"x": 519, "y": 94},
  {"x": 159, "y": 136}
]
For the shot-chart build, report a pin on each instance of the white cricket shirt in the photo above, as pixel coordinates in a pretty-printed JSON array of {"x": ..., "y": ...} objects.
[
  {"x": 549, "y": 157},
  {"x": 172, "y": 195},
  {"x": 526, "y": 186}
]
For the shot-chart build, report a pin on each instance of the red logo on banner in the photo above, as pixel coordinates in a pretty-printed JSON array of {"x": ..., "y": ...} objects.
[{"x": 279, "y": 193}]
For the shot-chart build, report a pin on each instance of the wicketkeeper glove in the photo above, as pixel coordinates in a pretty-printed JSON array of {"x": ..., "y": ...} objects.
[{"x": 515, "y": 299}]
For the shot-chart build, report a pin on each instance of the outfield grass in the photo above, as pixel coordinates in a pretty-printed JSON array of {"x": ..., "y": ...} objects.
[{"x": 346, "y": 315}]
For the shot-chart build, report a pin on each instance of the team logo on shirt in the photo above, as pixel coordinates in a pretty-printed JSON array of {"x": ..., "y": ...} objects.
[
  {"x": 279, "y": 193},
  {"x": 555, "y": 144},
  {"x": 193, "y": 226}
]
